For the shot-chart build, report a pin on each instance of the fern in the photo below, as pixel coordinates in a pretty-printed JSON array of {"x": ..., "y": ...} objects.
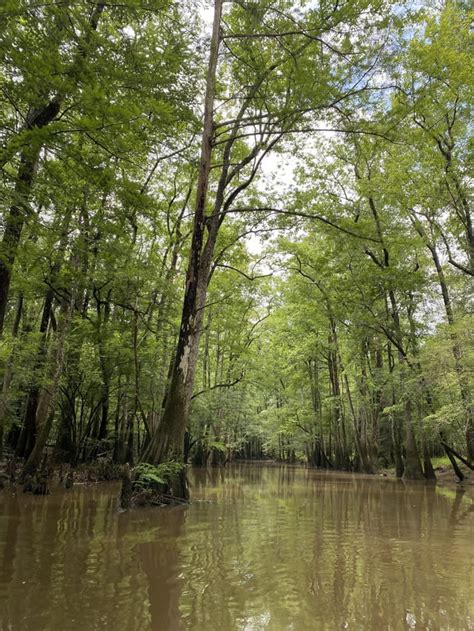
[{"x": 145, "y": 475}]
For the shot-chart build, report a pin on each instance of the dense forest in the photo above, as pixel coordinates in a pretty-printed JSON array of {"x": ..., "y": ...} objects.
[{"x": 236, "y": 230}]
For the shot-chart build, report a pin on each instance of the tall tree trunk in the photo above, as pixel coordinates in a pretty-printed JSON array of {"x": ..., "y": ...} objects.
[
  {"x": 9, "y": 372},
  {"x": 14, "y": 221},
  {"x": 334, "y": 364},
  {"x": 412, "y": 469},
  {"x": 428, "y": 469},
  {"x": 464, "y": 386},
  {"x": 48, "y": 398},
  {"x": 28, "y": 432},
  {"x": 105, "y": 368},
  {"x": 361, "y": 445},
  {"x": 167, "y": 441},
  {"x": 377, "y": 405}
]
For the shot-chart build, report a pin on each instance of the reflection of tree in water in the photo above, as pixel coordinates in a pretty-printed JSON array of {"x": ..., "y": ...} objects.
[
  {"x": 159, "y": 561},
  {"x": 288, "y": 549},
  {"x": 459, "y": 511},
  {"x": 28, "y": 560},
  {"x": 313, "y": 550},
  {"x": 64, "y": 567},
  {"x": 389, "y": 558},
  {"x": 11, "y": 510}
]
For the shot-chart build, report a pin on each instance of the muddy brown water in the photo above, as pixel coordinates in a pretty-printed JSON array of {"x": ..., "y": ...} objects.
[{"x": 261, "y": 547}]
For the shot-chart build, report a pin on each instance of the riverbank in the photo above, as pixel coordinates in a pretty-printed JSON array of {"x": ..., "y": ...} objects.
[
  {"x": 445, "y": 476},
  {"x": 106, "y": 471}
]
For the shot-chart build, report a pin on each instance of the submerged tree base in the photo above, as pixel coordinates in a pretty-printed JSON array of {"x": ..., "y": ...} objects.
[
  {"x": 50, "y": 476},
  {"x": 149, "y": 485}
]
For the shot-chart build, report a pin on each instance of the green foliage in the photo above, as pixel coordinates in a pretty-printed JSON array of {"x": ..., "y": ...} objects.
[
  {"x": 340, "y": 276},
  {"x": 147, "y": 476}
]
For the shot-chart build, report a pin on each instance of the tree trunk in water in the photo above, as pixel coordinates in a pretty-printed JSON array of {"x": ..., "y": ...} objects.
[
  {"x": 167, "y": 441},
  {"x": 464, "y": 386},
  {"x": 341, "y": 455},
  {"x": 28, "y": 436},
  {"x": 397, "y": 449},
  {"x": 28, "y": 432},
  {"x": 8, "y": 373},
  {"x": 413, "y": 470},
  {"x": 454, "y": 464},
  {"x": 48, "y": 397},
  {"x": 395, "y": 421},
  {"x": 428, "y": 470},
  {"x": 361, "y": 447},
  {"x": 103, "y": 318},
  {"x": 377, "y": 407},
  {"x": 66, "y": 448}
]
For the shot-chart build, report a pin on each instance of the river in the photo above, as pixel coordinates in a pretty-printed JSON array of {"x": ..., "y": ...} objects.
[{"x": 260, "y": 547}]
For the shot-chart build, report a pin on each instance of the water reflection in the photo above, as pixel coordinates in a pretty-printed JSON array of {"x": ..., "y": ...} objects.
[{"x": 261, "y": 548}]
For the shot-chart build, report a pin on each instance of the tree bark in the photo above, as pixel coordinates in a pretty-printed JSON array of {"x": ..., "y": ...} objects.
[
  {"x": 167, "y": 441},
  {"x": 412, "y": 468},
  {"x": 14, "y": 221},
  {"x": 7, "y": 377},
  {"x": 464, "y": 388},
  {"x": 48, "y": 397},
  {"x": 28, "y": 432}
]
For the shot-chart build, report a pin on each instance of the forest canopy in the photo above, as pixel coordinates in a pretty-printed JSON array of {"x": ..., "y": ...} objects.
[{"x": 237, "y": 230}]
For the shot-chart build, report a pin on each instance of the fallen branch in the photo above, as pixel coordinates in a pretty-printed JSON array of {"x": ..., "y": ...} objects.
[{"x": 455, "y": 453}]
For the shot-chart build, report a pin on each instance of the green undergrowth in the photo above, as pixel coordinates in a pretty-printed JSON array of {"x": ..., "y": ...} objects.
[
  {"x": 158, "y": 485},
  {"x": 148, "y": 476},
  {"x": 439, "y": 462}
]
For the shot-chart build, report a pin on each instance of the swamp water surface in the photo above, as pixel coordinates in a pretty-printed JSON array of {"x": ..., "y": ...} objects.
[{"x": 260, "y": 548}]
